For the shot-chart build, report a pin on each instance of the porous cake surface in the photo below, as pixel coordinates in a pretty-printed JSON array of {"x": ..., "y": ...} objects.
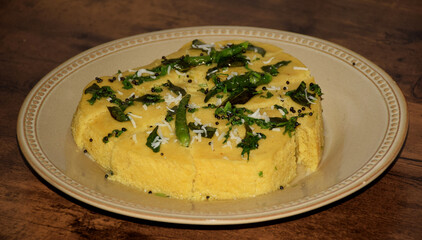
[{"x": 225, "y": 120}]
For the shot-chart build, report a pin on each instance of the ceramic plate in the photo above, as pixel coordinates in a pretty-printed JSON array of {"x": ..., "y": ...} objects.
[{"x": 365, "y": 118}]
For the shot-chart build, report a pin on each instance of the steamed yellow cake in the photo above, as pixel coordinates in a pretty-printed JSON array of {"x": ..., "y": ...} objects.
[{"x": 225, "y": 120}]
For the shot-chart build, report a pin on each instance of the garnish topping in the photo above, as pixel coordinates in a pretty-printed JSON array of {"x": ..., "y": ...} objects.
[
  {"x": 182, "y": 130},
  {"x": 115, "y": 133},
  {"x": 302, "y": 96},
  {"x": 250, "y": 142},
  {"x": 236, "y": 88},
  {"x": 170, "y": 113},
  {"x": 273, "y": 69},
  {"x": 149, "y": 99},
  {"x": 177, "y": 90},
  {"x": 98, "y": 92},
  {"x": 154, "y": 140},
  {"x": 118, "y": 114},
  {"x": 205, "y": 131}
]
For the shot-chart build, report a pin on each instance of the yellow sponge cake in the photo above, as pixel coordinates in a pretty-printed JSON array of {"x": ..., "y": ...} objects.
[{"x": 224, "y": 120}]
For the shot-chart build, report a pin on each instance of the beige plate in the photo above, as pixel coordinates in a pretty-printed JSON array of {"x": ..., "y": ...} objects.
[{"x": 365, "y": 118}]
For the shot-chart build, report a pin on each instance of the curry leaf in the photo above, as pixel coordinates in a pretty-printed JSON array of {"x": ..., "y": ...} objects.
[
  {"x": 98, "y": 92},
  {"x": 152, "y": 140},
  {"x": 273, "y": 69},
  {"x": 118, "y": 114},
  {"x": 301, "y": 95},
  {"x": 177, "y": 90},
  {"x": 208, "y": 133},
  {"x": 149, "y": 99}
]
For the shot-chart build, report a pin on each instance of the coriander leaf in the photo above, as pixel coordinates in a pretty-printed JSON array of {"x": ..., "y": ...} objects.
[
  {"x": 161, "y": 194},
  {"x": 269, "y": 95},
  {"x": 156, "y": 89},
  {"x": 316, "y": 89},
  {"x": 211, "y": 106},
  {"x": 290, "y": 126},
  {"x": 227, "y": 135},
  {"x": 250, "y": 141},
  {"x": 127, "y": 84},
  {"x": 192, "y": 110}
]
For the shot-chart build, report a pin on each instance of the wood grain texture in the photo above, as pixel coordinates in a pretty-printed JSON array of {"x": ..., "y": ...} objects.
[{"x": 36, "y": 36}]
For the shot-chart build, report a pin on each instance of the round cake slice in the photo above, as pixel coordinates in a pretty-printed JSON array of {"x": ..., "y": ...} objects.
[{"x": 224, "y": 120}]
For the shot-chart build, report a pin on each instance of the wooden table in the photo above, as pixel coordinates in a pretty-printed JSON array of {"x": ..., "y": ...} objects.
[{"x": 37, "y": 36}]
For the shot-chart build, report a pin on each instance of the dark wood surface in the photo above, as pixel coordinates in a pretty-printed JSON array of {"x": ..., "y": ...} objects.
[{"x": 36, "y": 36}]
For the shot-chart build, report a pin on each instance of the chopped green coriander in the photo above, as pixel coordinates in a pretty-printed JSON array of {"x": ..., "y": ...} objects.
[
  {"x": 161, "y": 195},
  {"x": 192, "y": 110},
  {"x": 316, "y": 89},
  {"x": 212, "y": 106},
  {"x": 250, "y": 141},
  {"x": 170, "y": 113},
  {"x": 127, "y": 84},
  {"x": 269, "y": 95},
  {"x": 156, "y": 89}
]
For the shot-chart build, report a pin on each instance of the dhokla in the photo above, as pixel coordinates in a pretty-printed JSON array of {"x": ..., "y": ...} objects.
[{"x": 224, "y": 120}]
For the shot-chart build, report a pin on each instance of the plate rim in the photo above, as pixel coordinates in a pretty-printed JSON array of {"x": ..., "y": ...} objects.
[{"x": 242, "y": 31}]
